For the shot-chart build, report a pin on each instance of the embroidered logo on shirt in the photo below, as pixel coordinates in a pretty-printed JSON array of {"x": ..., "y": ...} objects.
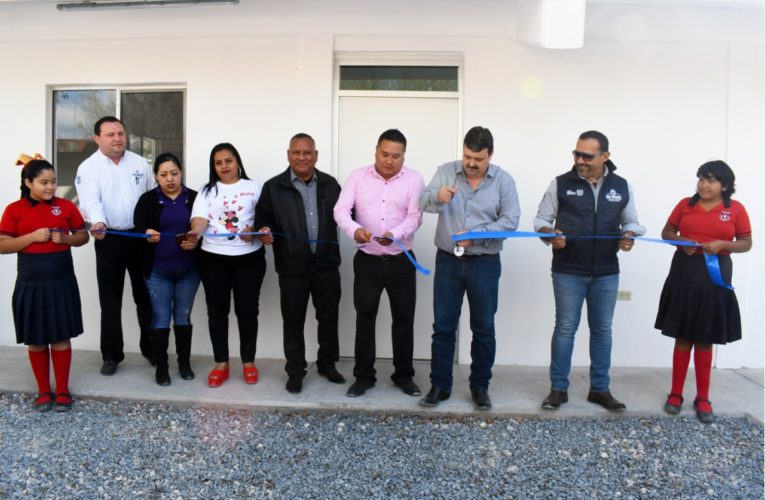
[
  {"x": 613, "y": 196},
  {"x": 725, "y": 216},
  {"x": 55, "y": 210},
  {"x": 137, "y": 176},
  {"x": 578, "y": 192},
  {"x": 77, "y": 180}
]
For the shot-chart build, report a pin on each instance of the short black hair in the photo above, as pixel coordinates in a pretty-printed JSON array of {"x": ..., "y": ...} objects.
[
  {"x": 719, "y": 170},
  {"x": 166, "y": 157},
  {"x": 393, "y": 135},
  {"x": 106, "y": 119},
  {"x": 302, "y": 135},
  {"x": 598, "y": 136},
  {"x": 479, "y": 138}
]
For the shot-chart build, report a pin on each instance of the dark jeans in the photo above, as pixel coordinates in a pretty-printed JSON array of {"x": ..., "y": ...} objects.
[
  {"x": 323, "y": 286},
  {"x": 478, "y": 277},
  {"x": 242, "y": 274},
  {"x": 172, "y": 295},
  {"x": 396, "y": 275},
  {"x": 115, "y": 255}
]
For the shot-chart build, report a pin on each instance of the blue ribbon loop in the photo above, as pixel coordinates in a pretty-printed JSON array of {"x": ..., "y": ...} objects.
[
  {"x": 713, "y": 268},
  {"x": 713, "y": 263}
]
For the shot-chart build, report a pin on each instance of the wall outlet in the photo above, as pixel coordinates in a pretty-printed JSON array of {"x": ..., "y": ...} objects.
[{"x": 624, "y": 295}]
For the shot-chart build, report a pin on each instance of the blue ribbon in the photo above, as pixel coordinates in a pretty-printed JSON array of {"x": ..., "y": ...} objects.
[
  {"x": 400, "y": 245},
  {"x": 713, "y": 263},
  {"x": 713, "y": 268}
]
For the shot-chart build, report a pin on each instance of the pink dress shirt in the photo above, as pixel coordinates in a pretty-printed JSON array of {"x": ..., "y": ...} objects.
[{"x": 380, "y": 206}]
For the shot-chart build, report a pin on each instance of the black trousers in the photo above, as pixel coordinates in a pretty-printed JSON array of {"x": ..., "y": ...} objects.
[
  {"x": 396, "y": 275},
  {"x": 114, "y": 255},
  {"x": 323, "y": 286},
  {"x": 242, "y": 274}
]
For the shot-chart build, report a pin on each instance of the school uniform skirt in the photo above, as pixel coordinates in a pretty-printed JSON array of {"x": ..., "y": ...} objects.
[
  {"x": 693, "y": 308},
  {"x": 46, "y": 299}
]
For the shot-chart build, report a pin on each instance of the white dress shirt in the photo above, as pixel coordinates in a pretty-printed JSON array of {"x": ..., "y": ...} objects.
[{"x": 108, "y": 192}]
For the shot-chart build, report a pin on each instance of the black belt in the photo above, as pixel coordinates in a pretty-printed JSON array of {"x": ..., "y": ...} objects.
[
  {"x": 466, "y": 256},
  {"x": 385, "y": 256}
]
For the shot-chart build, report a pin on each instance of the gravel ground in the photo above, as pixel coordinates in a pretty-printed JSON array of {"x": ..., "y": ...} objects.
[{"x": 145, "y": 450}]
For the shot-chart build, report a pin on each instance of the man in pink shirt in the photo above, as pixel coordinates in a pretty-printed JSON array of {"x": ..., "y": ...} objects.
[{"x": 379, "y": 208}]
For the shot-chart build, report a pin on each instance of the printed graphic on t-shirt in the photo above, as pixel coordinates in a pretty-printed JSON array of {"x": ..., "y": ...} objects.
[{"x": 229, "y": 221}]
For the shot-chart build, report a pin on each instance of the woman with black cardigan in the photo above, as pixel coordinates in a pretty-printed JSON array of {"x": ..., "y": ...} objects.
[{"x": 169, "y": 263}]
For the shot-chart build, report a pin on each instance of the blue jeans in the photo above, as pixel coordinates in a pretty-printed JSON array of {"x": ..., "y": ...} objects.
[
  {"x": 478, "y": 277},
  {"x": 571, "y": 291},
  {"x": 172, "y": 293}
]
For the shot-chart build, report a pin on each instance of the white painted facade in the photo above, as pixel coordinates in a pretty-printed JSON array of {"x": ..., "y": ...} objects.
[{"x": 672, "y": 84}]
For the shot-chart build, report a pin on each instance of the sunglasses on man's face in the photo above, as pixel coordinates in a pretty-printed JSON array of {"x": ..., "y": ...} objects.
[{"x": 584, "y": 156}]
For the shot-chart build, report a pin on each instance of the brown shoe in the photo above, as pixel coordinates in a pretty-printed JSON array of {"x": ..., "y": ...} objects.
[
  {"x": 555, "y": 399},
  {"x": 606, "y": 400}
]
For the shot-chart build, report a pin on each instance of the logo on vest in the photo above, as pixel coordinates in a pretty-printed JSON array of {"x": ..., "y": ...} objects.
[
  {"x": 55, "y": 210},
  {"x": 578, "y": 192},
  {"x": 725, "y": 216},
  {"x": 613, "y": 196}
]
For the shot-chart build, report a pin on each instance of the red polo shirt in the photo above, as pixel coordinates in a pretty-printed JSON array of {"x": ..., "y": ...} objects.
[
  {"x": 719, "y": 223},
  {"x": 25, "y": 216}
]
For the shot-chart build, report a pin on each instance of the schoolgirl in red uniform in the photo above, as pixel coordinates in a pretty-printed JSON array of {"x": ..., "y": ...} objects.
[
  {"x": 692, "y": 309},
  {"x": 46, "y": 299}
]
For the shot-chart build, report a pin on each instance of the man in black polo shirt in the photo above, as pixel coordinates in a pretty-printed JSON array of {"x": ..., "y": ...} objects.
[
  {"x": 590, "y": 199},
  {"x": 298, "y": 204}
]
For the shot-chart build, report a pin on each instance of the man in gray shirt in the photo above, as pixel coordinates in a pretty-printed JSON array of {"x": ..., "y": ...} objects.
[
  {"x": 298, "y": 204},
  {"x": 587, "y": 200},
  {"x": 471, "y": 195}
]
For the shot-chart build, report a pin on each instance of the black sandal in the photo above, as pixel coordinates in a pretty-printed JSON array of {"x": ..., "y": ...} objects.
[
  {"x": 673, "y": 409},
  {"x": 63, "y": 407},
  {"x": 706, "y": 417},
  {"x": 42, "y": 406}
]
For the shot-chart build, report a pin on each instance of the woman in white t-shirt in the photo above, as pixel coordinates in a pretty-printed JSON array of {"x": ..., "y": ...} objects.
[{"x": 228, "y": 262}]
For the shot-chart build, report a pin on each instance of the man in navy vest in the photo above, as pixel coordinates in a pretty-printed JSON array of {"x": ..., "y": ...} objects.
[{"x": 588, "y": 200}]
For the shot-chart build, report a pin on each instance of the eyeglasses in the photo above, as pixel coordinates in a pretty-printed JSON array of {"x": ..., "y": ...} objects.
[{"x": 584, "y": 156}]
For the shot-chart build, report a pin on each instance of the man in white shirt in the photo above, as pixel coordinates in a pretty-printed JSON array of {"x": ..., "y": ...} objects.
[{"x": 109, "y": 184}]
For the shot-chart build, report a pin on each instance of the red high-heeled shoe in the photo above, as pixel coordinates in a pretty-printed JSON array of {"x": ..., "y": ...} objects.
[
  {"x": 217, "y": 377},
  {"x": 251, "y": 374}
]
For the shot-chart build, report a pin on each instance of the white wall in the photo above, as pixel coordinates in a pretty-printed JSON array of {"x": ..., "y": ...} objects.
[{"x": 671, "y": 87}]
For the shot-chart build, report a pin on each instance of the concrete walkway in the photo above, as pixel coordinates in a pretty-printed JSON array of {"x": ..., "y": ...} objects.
[{"x": 515, "y": 390}]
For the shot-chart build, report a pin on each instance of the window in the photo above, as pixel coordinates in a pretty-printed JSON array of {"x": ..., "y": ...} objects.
[
  {"x": 154, "y": 122},
  {"x": 400, "y": 78}
]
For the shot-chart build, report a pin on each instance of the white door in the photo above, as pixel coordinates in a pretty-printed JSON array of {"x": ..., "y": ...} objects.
[{"x": 431, "y": 127}]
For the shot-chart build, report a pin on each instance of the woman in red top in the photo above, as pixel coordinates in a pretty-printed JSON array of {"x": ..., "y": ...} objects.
[
  {"x": 692, "y": 309},
  {"x": 42, "y": 228}
]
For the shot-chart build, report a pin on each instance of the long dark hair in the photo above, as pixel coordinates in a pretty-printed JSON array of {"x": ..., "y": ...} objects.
[
  {"x": 719, "y": 170},
  {"x": 223, "y": 146},
  {"x": 30, "y": 171}
]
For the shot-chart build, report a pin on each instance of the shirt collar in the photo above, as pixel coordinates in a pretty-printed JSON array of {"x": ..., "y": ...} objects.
[
  {"x": 34, "y": 202},
  {"x": 491, "y": 172},
  {"x": 106, "y": 158},
  {"x": 373, "y": 171},
  {"x": 162, "y": 196},
  {"x": 294, "y": 177}
]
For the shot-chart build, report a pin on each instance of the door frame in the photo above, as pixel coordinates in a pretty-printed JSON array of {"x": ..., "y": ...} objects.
[{"x": 400, "y": 59}]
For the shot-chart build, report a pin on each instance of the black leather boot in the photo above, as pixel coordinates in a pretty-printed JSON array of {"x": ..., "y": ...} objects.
[
  {"x": 159, "y": 341},
  {"x": 183, "y": 349}
]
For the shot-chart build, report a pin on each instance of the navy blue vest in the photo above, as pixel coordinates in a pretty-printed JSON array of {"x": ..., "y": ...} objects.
[{"x": 577, "y": 215}]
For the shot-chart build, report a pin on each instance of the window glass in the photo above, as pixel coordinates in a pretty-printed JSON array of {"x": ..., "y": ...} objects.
[
  {"x": 74, "y": 114},
  {"x": 153, "y": 120},
  {"x": 401, "y": 78},
  {"x": 154, "y": 123}
]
